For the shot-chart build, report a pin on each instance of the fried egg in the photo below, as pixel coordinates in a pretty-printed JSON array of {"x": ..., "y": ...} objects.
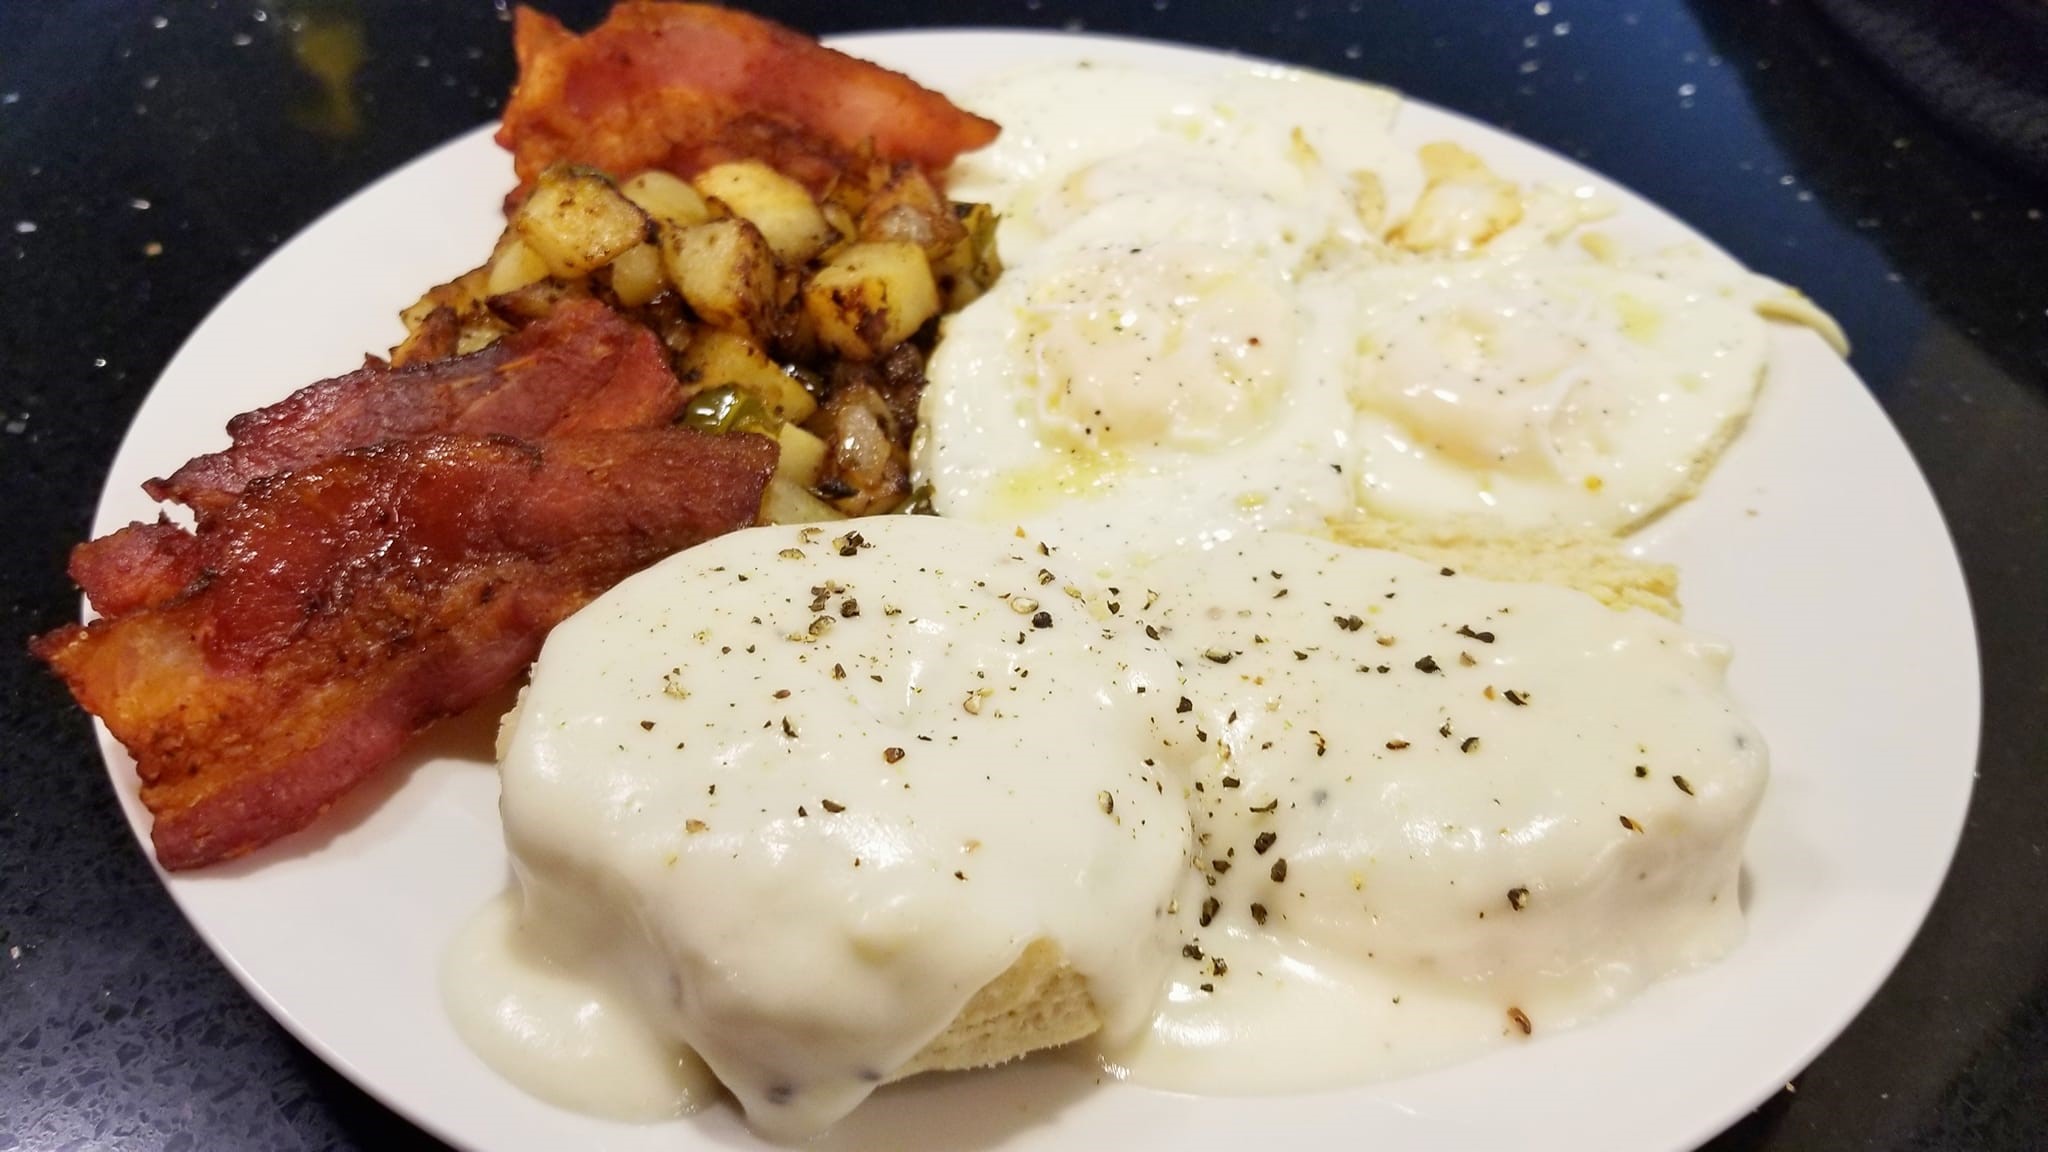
[
  {"x": 1157, "y": 341},
  {"x": 1544, "y": 394}
]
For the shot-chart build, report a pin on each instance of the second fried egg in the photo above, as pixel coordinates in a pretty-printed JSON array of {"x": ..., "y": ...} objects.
[
  {"x": 1544, "y": 394},
  {"x": 1154, "y": 343}
]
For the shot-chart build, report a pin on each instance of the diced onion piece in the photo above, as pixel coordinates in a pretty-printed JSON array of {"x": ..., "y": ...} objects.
[
  {"x": 909, "y": 208},
  {"x": 966, "y": 270}
]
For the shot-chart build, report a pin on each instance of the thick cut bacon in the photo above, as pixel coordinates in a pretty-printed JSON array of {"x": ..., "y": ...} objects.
[
  {"x": 135, "y": 567},
  {"x": 583, "y": 368},
  {"x": 343, "y": 607},
  {"x": 685, "y": 86}
]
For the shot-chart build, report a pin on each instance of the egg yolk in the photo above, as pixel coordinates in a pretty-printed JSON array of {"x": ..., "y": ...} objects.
[
  {"x": 1484, "y": 378},
  {"x": 1170, "y": 345}
]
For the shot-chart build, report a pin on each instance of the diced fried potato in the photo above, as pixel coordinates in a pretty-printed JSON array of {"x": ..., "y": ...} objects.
[
  {"x": 966, "y": 269},
  {"x": 463, "y": 295},
  {"x": 870, "y": 298},
  {"x": 577, "y": 221},
  {"x": 802, "y": 455},
  {"x": 908, "y": 208},
  {"x": 667, "y": 198},
  {"x": 787, "y": 502},
  {"x": 522, "y": 306},
  {"x": 637, "y": 275},
  {"x": 1462, "y": 206},
  {"x": 455, "y": 318},
  {"x": 781, "y": 208},
  {"x": 514, "y": 267},
  {"x": 716, "y": 357},
  {"x": 725, "y": 271},
  {"x": 415, "y": 314},
  {"x": 435, "y": 337},
  {"x": 480, "y": 331}
]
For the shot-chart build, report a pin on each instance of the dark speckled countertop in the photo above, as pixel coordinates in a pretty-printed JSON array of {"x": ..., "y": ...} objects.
[{"x": 152, "y": 153}]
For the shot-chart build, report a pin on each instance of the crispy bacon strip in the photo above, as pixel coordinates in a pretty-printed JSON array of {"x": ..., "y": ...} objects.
[
  {"x": 343, "y": 607},
  {"x": 135, "y": 567},
  {"x": 686, "y": 86},
  {"x": 583, "y": 368}
]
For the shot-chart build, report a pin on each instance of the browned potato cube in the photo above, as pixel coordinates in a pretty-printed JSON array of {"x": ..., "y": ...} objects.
[
  {"x": 666, "y": 198},
  {"x": 479, "y": 332},
  {"x": 576, "y": 221},
  {"x": 514, "y": 267},
  {"x": 434, "y": 336},
  {"x": 637, "y": 276},
  {"x": 717, "y": 357},
  {"x": 781, "y": 208},
  {"x": 725, "y": 271},
  {"x": 870, "y": 298},
  {"x": 802, "y": 455},
  {"x": 462, "y": 296},
  {"x": 787, "y": 502},
  {"x": 522, "y": 306}
]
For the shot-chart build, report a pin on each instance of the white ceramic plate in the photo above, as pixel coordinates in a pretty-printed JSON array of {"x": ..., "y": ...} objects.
[{"x": 1815, "y": 548}]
